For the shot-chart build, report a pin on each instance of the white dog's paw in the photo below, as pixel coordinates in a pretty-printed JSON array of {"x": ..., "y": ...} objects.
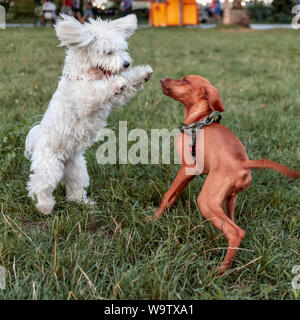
[
  {"x": 82, "y": 200},
  {"x": 90, "y": 202},
  {"x": 119, "y": 85},
  {"x": 79, "y": 196},
  {"x": 45, "y": 207},
  {"x": 142, "y": 75},
  {"x": 148, "y": 73}
]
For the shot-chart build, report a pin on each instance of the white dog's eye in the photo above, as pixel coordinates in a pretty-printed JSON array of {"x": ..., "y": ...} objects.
[{"x": 109, "y": 53}]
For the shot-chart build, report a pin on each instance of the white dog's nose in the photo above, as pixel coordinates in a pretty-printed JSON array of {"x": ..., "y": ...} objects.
[{"x": 126, "y": 64}]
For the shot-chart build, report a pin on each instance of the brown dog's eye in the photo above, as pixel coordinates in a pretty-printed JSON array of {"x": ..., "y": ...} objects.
[{"x": 185, "y": 80}]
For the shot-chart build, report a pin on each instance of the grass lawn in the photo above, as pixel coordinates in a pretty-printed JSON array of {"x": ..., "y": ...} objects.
[{"x": 82, "y": 252}]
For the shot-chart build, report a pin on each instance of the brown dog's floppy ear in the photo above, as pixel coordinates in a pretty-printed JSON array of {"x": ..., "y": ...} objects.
[{"x": 214, "y": 100}]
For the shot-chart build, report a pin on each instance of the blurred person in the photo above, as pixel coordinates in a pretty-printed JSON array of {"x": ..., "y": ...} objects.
[
  {"x": 49, "y": 9},
  {"x": 213, "y": 5},
  {"x": 216, "y": 10},
  {"x": 38, "y": 11},
  {"x": 87, "y": 10},
  {"x": 126, "y": 7},
  {"x": 76, "y": 9},
  {"x": 66, "y": 7}
]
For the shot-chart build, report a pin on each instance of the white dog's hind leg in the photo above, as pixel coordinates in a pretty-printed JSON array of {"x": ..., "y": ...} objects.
[
  {"x": 47, "y": 172},
  {"x": 31, "y": 139},
  {"x": 76, "y": 179}
]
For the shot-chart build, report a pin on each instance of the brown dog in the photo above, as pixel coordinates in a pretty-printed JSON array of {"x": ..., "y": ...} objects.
[{"x": 225, "y": 161}]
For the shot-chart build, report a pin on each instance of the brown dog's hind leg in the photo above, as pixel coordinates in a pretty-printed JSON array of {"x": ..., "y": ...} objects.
[
  {"x": 229, "y": 206},
  {"x": 180, "y": 182},
  {"x": 210, "y": 203}
]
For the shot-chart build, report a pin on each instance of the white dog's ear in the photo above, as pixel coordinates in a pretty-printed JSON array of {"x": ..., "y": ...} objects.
[
  {"x": 126, "y": 25},
  {"x": 70, "y": 32}
]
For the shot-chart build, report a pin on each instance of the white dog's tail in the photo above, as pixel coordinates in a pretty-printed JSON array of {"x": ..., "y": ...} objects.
[{"x": 31, "y": 141}]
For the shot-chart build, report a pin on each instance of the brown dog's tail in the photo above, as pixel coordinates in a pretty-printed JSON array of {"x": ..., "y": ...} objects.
[{"x": 267, "y": 164}]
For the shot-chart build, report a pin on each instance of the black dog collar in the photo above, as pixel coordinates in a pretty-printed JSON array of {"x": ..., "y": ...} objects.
[{"x": 192, "y": 129}]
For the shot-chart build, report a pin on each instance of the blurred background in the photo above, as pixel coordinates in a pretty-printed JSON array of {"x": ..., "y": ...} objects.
[{"x": 158, "y": 13}]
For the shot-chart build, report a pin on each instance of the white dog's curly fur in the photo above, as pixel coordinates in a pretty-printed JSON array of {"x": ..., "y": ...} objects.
[{"x": 93, "y": 82}]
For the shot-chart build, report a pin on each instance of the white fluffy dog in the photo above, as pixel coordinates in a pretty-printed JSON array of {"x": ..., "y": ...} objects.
[{"x": 93, "y": 82}]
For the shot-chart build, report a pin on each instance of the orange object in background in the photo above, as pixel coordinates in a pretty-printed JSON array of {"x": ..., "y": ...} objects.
[
  {"x": 190, "y": 12},
  {"x": 158, "y": 15},
  {"x": 173, "y": 13}
]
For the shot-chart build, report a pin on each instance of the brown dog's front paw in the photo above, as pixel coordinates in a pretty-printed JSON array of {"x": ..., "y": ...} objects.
[{"x": 222, "y": 268}]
